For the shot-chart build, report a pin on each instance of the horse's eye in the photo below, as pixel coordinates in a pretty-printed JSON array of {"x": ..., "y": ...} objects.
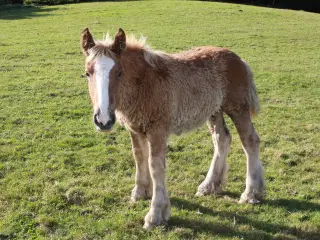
[
  {"x": 119, "y": 74},
  {"x": 87, "y": 75}
]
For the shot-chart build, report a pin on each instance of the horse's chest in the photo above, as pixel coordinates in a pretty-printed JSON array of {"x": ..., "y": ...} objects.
[{"x": 133, "y": 124}]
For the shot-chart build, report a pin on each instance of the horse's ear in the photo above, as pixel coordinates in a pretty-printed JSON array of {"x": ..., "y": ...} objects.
[
  {"x": 86, "y": 41},
  {"x": 119, "y": 44}
]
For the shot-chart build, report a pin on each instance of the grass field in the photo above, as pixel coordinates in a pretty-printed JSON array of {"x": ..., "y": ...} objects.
[{"x": 59, "y": 179}]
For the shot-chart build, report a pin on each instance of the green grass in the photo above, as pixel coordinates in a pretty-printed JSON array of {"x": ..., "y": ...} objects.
[{"x": 59, "y": 179}]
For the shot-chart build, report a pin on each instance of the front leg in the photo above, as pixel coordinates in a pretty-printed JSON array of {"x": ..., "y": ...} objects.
[
  {"x": 160, "y": 204},
  {"x": 140, "y": 150}
]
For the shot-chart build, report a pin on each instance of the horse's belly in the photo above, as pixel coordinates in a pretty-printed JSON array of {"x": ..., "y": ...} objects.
[
  {"x": 190, "y": 112},
  {"x": 184, "y": 122},
  {"x": 185, "y": 126}
]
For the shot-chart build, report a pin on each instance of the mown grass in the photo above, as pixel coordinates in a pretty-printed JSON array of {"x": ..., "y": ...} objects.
[{"x": 59, "y": 179}]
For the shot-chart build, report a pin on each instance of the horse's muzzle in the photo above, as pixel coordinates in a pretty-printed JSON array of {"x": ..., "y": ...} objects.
[{"x": 104, "y": 127}]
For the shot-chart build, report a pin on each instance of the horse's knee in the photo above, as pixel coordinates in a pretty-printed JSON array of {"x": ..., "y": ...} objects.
[
  {"x": 255, "y": 139},
  {"x": 251, "y": 140},
  {"x": 137, "y": 151}
]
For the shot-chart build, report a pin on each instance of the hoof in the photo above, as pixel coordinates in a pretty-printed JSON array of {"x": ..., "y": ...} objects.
[
  {"x": 140, "y": 193},
  {"x": 152, "y": 219},
  {"x": 148, "y": 226},
  {"x": 254, "y": 193},
  {"x": 156, "y": 217},
  {"x": 206, "y": 188},
  {"x": 252, "y": 197},
  {"x": 249, "y": 200}
]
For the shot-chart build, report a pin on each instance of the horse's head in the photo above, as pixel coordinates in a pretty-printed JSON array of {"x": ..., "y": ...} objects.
[{"x": 103, "y": 72}]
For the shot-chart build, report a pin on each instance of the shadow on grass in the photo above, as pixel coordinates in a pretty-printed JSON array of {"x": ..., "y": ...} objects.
[
  {"x": 23, "y": 12},
  {"x": 307, "y": 5},
  {"x": 293, "y": 205},
  {"x": 260, "y": 229},
  {"x": 214, "y": 229}
]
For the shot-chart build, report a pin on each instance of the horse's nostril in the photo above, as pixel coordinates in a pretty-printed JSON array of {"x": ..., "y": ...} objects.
[
  {"x": 109, "y": 123},
  {"x": 96, "y": 121}
]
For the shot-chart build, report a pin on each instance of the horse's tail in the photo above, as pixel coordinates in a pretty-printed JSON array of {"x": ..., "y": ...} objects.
[{"x": 253, "y": 96}]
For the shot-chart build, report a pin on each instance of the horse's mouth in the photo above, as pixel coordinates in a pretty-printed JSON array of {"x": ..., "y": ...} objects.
[
  {"x": 104, "y": 127},
  {"x": 103, "y": 130}
]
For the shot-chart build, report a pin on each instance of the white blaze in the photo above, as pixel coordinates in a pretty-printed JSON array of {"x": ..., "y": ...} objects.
[{"x": 103, "y": 67}]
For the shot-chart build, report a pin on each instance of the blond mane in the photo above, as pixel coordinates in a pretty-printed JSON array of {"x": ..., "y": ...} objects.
[{"x": 102, "y": 47}]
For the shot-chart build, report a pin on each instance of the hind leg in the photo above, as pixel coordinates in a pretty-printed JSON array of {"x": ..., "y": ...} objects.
[
  {"x": 218, "y": 168},
  {"x": 255, "y": 186}
]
